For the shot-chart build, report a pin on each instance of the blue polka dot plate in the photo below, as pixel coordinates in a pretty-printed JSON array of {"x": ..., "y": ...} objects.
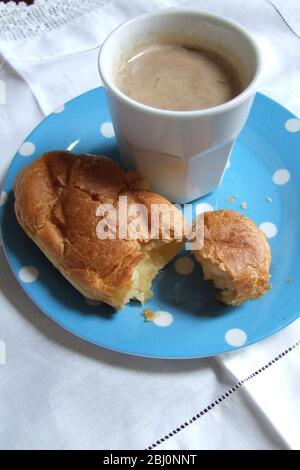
[{"x": 262, "y": 181}]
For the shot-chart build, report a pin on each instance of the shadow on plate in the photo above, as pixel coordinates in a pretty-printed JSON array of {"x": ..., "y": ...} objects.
[{"x": 188, "y": 293}]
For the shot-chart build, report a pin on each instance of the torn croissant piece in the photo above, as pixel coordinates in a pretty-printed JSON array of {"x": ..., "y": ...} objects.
[
  {"x": 57, "y": 201},
  {"x": 235, "y": 256}
]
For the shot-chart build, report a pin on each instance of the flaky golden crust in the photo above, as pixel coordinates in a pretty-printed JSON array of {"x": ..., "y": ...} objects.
[
  {"x": 236, "y": 254},
  {"x": 56, "y": 199}
]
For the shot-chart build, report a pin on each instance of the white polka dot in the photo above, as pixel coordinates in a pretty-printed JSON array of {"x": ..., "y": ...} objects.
[
  {"x": 27, "y": 149},
  {"x": 60, "y": 109},
  {"x": 107, "y": 130},
  {"x": 281, "y": 177},
  {"x": 28, "y": 274},
  {"x": 269, "y": 229},
  {"x": 163, "y": 318},
  {"x": 3, "y": 198},
  {"x": 203, "y": 207},
  {"x": 227, "y": 164},
  {"x": 92, "y": 301},
  {"x": 293, "y": 125},
  {"x": 236, "y": 337},
  {"x": 184, "y": 265}
]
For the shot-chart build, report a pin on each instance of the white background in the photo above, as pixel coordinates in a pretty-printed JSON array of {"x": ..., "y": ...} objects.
[{"x": 57, "y": 392}]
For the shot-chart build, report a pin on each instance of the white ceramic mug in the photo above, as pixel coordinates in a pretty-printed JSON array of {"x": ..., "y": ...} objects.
[{"x": 182, "y": 154}]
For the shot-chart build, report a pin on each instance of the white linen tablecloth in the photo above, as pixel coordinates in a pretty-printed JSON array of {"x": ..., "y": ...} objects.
[{"x": 58, "y": 392}]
